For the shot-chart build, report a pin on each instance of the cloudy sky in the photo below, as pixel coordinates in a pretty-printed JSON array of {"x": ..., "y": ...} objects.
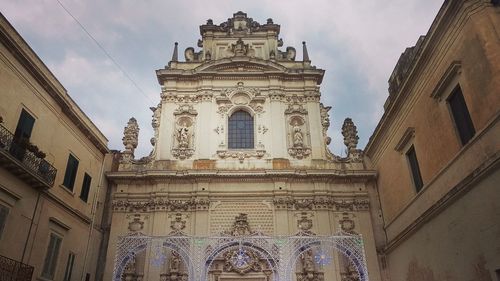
[{"x": 356, "y": 42}]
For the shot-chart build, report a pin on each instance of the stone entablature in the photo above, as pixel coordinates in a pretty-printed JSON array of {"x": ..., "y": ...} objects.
[{"x": 338, "y": 204}]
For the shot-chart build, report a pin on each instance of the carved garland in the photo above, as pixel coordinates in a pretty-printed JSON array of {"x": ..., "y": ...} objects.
[
  {"x": 330, "y": 203},
  {"x": 125, "y": 205}
]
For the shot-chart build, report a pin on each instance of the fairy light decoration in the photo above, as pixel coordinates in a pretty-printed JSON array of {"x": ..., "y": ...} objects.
[{"x": 322, "y": 258}]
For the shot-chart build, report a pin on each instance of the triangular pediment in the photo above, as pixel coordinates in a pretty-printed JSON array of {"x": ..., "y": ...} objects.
[{"x": 240, "y": 65}]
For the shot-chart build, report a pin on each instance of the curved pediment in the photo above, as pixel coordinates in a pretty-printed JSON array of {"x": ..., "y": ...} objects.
[{"x": 245, "y": 64}]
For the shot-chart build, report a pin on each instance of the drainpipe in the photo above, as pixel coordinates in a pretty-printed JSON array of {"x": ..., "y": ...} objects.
[
  {"x": 31, "y": 226},
  {"x": 91, "y": 227}
]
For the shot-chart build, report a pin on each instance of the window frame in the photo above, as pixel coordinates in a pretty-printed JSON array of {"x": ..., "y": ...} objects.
[
  {"x": 415, "y": 172},
  {"x": 253, "y": 131},
  {"x": 71, "y": 183},
  {"x": 85, "y": 188},
  {"x": 70, "y": 262},
  {"x": 466, "y": 114},
  {"x": 49, "y": 267},
  {"x": 3, "y": 210}
]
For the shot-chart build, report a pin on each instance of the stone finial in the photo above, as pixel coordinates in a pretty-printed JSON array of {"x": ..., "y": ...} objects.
[
  {"x": 175, "y": 55},
  {"x": 304, "y": 52},
  {"x": 350, "y": 133},
  {"x": 130, "y": 139}
]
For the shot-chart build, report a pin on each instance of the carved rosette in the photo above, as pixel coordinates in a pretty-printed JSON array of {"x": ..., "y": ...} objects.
[
  {"x": 183, "y": 137},
  {"x": 130, "y": 140}
]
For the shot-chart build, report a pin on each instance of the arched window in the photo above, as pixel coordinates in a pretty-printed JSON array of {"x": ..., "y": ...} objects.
[{"x": 240, "y": 130}]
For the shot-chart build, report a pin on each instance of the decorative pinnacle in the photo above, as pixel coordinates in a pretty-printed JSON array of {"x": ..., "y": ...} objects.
[
  {"x": 175, "y": 56},
  {"x": 304, "y": 52}
]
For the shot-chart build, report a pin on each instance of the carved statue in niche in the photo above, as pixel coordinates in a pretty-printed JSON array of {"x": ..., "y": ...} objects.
[
  {"x": 307, "y": 261},
  {"x": 183, "y": 136},
  {"x": 309, "y": 273},
  {"x": 298, "y": 137},
  {"x": 130, "y": 140},
  {"x": 175, "y": 272},
  {"x": 298, "y": 147},
  {"x": 175, "y": 262},
  {"x": 183, "y": 145}
]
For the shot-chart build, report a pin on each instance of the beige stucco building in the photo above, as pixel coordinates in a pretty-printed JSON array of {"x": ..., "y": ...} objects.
[
  {"x": 240, "y": 147},
  {"x": 51, "y": 165},
  {"x": 436, "y": 151}
]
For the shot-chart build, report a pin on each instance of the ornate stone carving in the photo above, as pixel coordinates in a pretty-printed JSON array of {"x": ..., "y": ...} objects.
[
  {"x": 185, "y": 109},
  {"x": 325, "y": 123},
  {"x": 242, "y": 261},
  {"x": 289, "y": 54},
  {"x": 327, "y": 202},
  {"x": 175, "y": 272},
  {"x": 241, "y": 227},
  {"x": 130, "y": 140},
  {"x": 190, "y": 55},
  {"x": 305, "y": 224},
  {"x": 184, "y": 132},
  {"x": 155, "y": 123},
  {"x": 136, "y": 225},
  {"x": 175, "y": 98},
  {"x": 129, "y": 273},
  {"x": 309, "y": 272},
  {"x": 240, "y": 49},
  {"x": 296, "y": 108},
  {"x": 298, "y": 143},
  {"x": 241, "y": 155},
  {"x": 177, "y": 224},
  {"x": 350, "y": 133},
  {"x": 262, "y": 129},
  {"x": 126, "y": 205},
  {"x": 347, "y": 224}
]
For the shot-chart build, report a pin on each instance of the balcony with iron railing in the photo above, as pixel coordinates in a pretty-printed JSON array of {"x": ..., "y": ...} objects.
[
  {"x": 12, "y": 270},
  {"x": 24, "y": 163}
]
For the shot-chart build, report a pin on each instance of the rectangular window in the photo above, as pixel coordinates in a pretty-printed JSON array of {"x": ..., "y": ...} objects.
[
  {"x": 4, "y": 212},
  {"x": 461, "y": 115},
  {"x": 22, "y": 134},
  {"x": 69, "y": 267},
  {"x": 24, "y": 125},
  {"x": 415, "y": 169},
  {"x": 84, "y": 194},
  {"x": 70, "y": 175},
  {"x": 50, "y": 263}
]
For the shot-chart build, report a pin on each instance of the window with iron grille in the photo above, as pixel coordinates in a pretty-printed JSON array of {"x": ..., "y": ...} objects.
[{"x": 240, "y": 130}]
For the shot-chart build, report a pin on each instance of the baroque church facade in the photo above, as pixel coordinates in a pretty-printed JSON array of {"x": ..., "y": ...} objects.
[{"x": 240, "y": 148}]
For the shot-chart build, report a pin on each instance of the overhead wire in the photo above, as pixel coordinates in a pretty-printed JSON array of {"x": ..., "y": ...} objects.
[{"x": 105, "y": 52}]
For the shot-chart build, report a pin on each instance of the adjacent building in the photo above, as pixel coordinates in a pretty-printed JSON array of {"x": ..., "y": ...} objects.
[
  {"x": 52, "y": 159},
  {"x": 436, "y": 151}
]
